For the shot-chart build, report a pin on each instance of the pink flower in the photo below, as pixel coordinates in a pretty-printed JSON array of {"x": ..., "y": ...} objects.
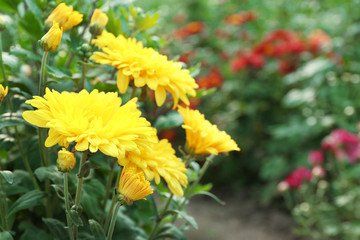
[
  {"x": 318, "y": 171},
  {"x": 316, "y": 157},
  {"x": 343, "y": 144},
  {"x": 297, "y": 177}
]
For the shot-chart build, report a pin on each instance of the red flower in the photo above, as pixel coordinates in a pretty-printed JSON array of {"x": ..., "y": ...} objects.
[
  {"x": 238, "y": 63},
  {"x": 316, "y": 157},
  {"x": 190, "y": 29},
  {"x": 169, "y": 134},
  {"x": 213, "y": 79},
  {"x": 285, "y": 66},
  {"x": 297, "y": 177},
  {"x": 317, "y": 39},
  {"x": 238, "y": 19}
]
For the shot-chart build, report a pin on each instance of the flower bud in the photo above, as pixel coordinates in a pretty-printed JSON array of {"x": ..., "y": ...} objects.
[
  {"x": 133, "y": 186},
  {"x": 66, "y": 160},
  {"x": 318, "y": 171},
  {"x": 3, "y": 92},
  {"x": 283, "y": 186},
  {"x": 98, "y": 22},
  {"x": 2, "y": 24},
  {"x": 65, "y": 16},
  {"x": 51, "y": 40}
]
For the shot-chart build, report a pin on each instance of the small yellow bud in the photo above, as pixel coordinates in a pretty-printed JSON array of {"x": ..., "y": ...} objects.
[
  {"x": 65, "y": 16},
  {"x": 133, "y": 186},
  {"x": 3, "y": 92},
  {"x": 98, "y": 22},
  {"x": 51, "y": 40},
  {"x": 2, "y": 24},
  {"x": 66, "y": 160}
]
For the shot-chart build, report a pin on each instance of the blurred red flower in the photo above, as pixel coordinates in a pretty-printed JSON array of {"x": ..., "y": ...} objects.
[{"x": 297, "y": 177}]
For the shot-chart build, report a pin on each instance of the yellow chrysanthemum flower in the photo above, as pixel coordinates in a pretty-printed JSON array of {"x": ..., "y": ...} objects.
[
  {"x": 51, "y": 40},
  {"x": 202, "y": 137},
  {"x": 94, "y": 121},
  {"x": 3, "y": 92},
  {"x": 161, "y": 162},
  {"x": 144, "y": 66},
  {"x": 66, "y": 160},
  {"x": 98, "y": 22},
  {"x": 65, "y": 16},
  {"x": 133, "y": 185}
]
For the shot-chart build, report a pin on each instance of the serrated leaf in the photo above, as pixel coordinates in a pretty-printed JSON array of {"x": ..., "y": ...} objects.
[
  {"x": 169, "y": 230},
  {"x": 6, "y": 236},
  {"x": 57, "y": 228},
  {"x": 172, "y": 119},
  {"x": 148, "y": 21},
  {"x": 28, "y": 200},
  {"x": 97, "y": 230},
  {"x": 8, "y": 176},
  {"x": 188, "y": 219},
  {"x": 210, "y": 195}
]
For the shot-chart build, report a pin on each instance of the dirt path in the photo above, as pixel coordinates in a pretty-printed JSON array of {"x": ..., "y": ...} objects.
[{"x": 239, "y": 219}]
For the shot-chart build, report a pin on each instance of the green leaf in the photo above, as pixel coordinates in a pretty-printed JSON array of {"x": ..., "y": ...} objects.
[
  {"x": 6, "y": 236},
  {"x": 97, "y": 230},
  {"x": 11, "y": 119},
  {"x": 169, "y": 230},
  {"x": 210, "y": 195},
  {"x": 51, "y": 173},
  {"x": 114, "y": 24},
  {"x": 148, "y": 21},
  {"x": 34, "y": 8},
  {"x": 59, "y": 190},
  {"x": 85, "y": 170},
  {"x": 21, "y": 52},
  {"x": 8, "y": 176},
  {"x": 172, "y": 119},
  {"x": 28, "y": 200},
  {"x": 57, "y": 228},
  {"x": 32, "y": 25},
  {"x": 32, "y": 232},
  {"x": 188, "y": 219},
  {"x": 59, "y": 74},
  {"x": 205, "y": 92}
]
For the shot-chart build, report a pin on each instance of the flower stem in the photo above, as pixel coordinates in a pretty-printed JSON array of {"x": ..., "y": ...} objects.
[
  {"x": 2, "y": 63},
  {"x": 43, "y": 74},
  {"x": 84, "y": 69},
  {"x": 113, "y": 201},
  {"x": 160, "y": 217},
  {"x": 108, "y": 186},
  {"x": 67, "y": 205},
  {"x": 113, "y": 220}
]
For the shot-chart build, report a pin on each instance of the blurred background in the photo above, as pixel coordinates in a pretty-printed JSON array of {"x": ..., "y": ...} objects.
[{"x": 281, "y": 76}]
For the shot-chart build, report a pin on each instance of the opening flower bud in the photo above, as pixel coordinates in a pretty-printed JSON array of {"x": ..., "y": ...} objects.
[
  {"x": 133, "y": 185},
  {"x": 98, "y": 22},
  {"x": 51, "y": 40},
  {"x": 66, "y": 160},
  {"x": 3, "y": 92}
]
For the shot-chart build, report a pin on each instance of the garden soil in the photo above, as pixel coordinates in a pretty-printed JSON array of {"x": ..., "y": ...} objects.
[{"x": 239, "y": 219}]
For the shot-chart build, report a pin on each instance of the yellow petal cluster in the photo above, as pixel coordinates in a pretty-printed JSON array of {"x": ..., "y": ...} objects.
[
  {"x": 161, "y": 162},
  {"x": 98, "y": 22},
  {"x": 144, "y": 66},
  {"x": 133, "y": 185},
  {"x": 51, "y": 40},
  {"x": 65, "y": 16},
  {"x": 94, "y": 121},
  {"x": 3, "y": 92},
  {"x": 202, "y": 137},
  {"x": 66, "y": 160}
]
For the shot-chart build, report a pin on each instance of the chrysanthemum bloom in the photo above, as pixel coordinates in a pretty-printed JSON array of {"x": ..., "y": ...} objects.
[
  {"x": 66, "y": 160},
  {"x": 94, "y": 121},
  {"x": 161, "y": 162},
  {"x": 3, "y": 92},
  {"x": 65, "y": 16},
  {"x": 51, "y": 40},
  {"x": 98, "y": 22},
  {"x": 133, "y": 185},
  {"x": 2, "y": 24},
  {"x": 144, "y": 66},
  {"x": 202, "y": 137}
]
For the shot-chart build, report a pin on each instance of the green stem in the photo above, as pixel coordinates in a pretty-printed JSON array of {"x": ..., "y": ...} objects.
[
  {"x": 133, "y": 92},
  {"x": 42, "y": 81},
  {"x": 113, "y": 201},
  {"x": 108, "y": 186},
  {"x": 67, "y": 205},
  {"x": 79, "y": 186},
  {"x": 2, "y": 63},
  {"x": 160, "y": 218},
  {"x": 4, "y": 208},
  {"x": 113, "y": 220},
  {"x": 84, "y": 69}
]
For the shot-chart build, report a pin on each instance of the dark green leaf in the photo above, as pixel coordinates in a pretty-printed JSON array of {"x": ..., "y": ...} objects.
[
  {"x": 28, "y": 200},
  {"x": 85, "y": 170},
  {"x": 34, "y": 8},
  {"x": 169, "y": 230},
  {"x": 210, "y": 195},
  {"x": 8, "y": 176},
  {"x": 172, "y": 119},
  {"x": 188, "y": 219},
  {"x": 32, "y": 25},
  {"x": 76, "y": 218},
  {"x": 59, "y": 74},
  {"x": 51, "y": 173},
  {"x": 97, "y": 230},
  {"x": 59, "y": 191},
  {"x": 32, "y": 232},
  {"x": 57, "y": 228},
  {"x": 6, "y": 236}
]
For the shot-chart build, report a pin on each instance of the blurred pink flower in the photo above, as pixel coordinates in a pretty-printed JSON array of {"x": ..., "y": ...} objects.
[
  {"x": 316, "y": 157},
  {"x": 343, "y": 144},
  {"x": 297, "y": 177}
]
